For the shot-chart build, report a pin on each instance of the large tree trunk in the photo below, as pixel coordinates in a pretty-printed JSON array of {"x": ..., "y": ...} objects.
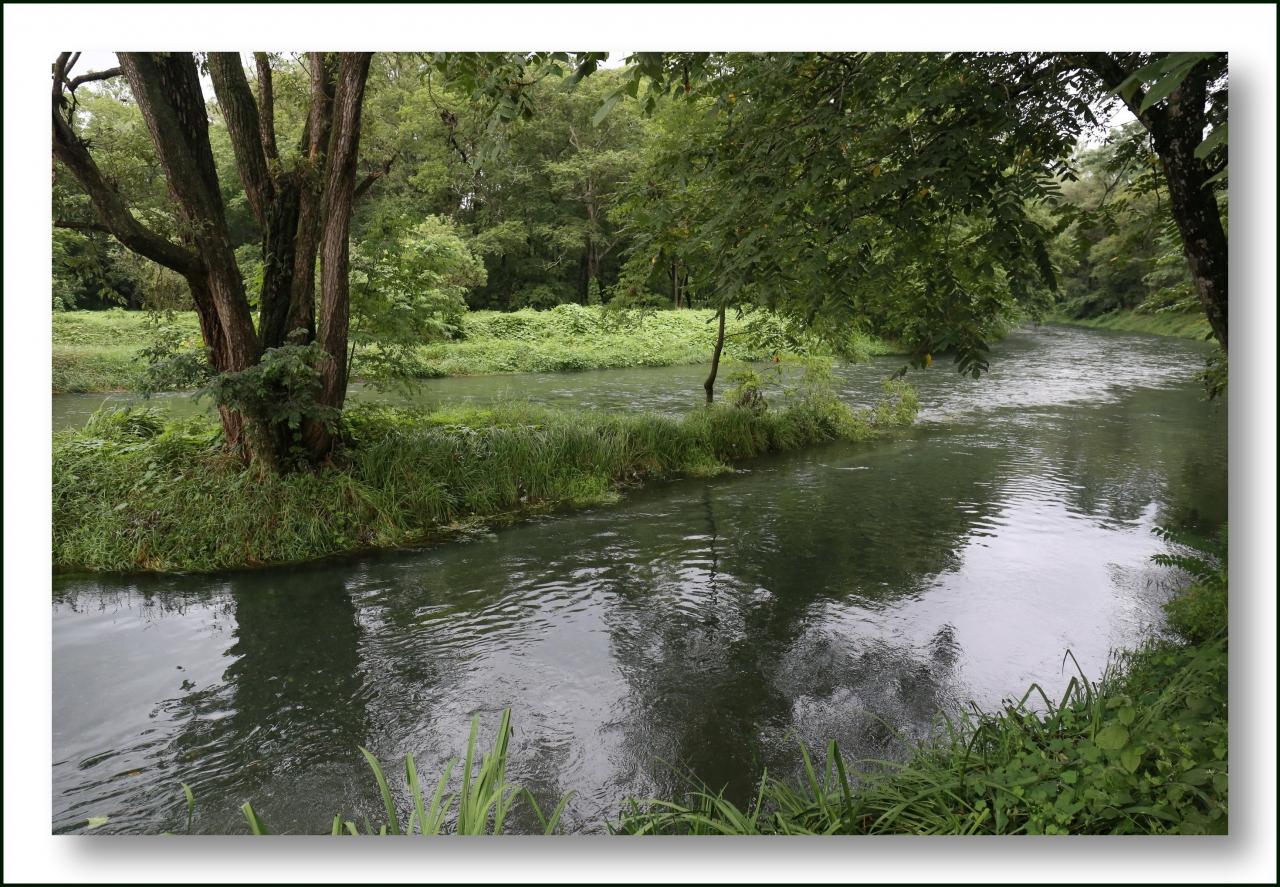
[
  {"x": 335, "y": 247},
  {"x": 299, "y": 211},
  {"x": 167, "y": 90},
  {"x": 710, "y": 385},
  {"x": 1195, "y": 208}
]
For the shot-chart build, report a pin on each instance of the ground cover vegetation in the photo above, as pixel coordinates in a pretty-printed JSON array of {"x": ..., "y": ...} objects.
[{"x": 132, "y": 492}]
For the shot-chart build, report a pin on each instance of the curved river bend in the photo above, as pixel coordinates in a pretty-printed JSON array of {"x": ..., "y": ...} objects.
[{"x": 848, "y": 592}]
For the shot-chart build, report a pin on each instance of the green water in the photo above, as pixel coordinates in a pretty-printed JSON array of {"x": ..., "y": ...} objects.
[{"x": 848, "y": 592}]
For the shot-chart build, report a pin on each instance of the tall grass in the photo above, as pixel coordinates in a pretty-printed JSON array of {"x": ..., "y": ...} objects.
[
  {"x": 480, "y": 805},
  {"x": 1178, "y": 324},
  {"x": 133, "y": 493}
]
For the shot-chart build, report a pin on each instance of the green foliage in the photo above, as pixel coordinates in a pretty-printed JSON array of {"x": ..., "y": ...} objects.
[
  {"x": 408, "y": 287},
  {"x": 1183, "y": 326},
  {"x": 174, "y": 359},
  {"x": 575, "y": 337},
  {"x": 283, "y": 388},
  {"x": 850, "y": 187},
  {"x": 569, "y": 337},
  {"x": 1199, "y": 612},
  {"x": 173, "y": 500},
  {"x": 1118, "y": 248}
]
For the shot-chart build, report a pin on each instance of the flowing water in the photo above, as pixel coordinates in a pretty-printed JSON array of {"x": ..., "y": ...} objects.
[{"x": 848, "y": 592}]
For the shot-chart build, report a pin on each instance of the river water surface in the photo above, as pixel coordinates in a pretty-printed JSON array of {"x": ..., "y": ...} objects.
[{"x": 848, "y": 592}]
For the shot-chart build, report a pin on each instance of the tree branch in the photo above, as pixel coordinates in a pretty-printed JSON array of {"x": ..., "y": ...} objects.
[
  {"x": 81, "y": 226},
  {"x": 367, "y": 182},
  {"x": 266, "y": 105},
  {"x": 92, "y": 76},
  {"x": 240, "y": 112},
  {"x": 115, "y": 214}
]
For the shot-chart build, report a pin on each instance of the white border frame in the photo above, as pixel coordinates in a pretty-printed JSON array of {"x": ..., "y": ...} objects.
[{"x": 34, "y": 34}]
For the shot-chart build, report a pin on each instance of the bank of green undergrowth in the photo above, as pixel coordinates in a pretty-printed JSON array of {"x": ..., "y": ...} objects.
[
  {"x": 1181, "y": 325},
  {"x": 133, "y": 493},
  {"x": 99, "y": 350}
]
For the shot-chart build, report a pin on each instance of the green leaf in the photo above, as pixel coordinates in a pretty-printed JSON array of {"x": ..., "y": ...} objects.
[
  {"x": 1112, "y": 738},
  {"x": 604, "y": 109},
  {"x": 1130, "y": 759},
  {"x": 1177, "y": 72},
  {"x": 1214, "y": 139},
  {"x": 95, "y": 821},
  {"x": 1126, "y": 715}
]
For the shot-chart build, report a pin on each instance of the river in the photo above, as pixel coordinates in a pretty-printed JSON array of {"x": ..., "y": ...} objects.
[{"x": 848, "y": 592}]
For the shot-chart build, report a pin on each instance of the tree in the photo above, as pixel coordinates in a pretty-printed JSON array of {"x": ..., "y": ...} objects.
[
  {"x": 1177, "y": 97},
  {"x": 409, "y": 285},
  {"x": 882, "y": 189},
  {"x": 302, "y": 203},
  {"x": 1121, "y": 248}
]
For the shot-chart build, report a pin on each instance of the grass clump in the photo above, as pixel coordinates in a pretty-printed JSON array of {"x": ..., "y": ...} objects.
[
  {"x": 480, "y": 804},
  {"x": 132, "y": 493}
]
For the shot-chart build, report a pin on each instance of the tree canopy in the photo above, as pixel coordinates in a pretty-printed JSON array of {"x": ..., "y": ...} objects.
[{"x": 930, "y": 198}]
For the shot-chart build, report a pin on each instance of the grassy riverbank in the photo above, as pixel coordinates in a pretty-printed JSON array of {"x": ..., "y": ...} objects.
[
  {"x": 133, "y": 493},
  {"x": 1165, "y": 323},
  {"x": 98, "y": 350}
]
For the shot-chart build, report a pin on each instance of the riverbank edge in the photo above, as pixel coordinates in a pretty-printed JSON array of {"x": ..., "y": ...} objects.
[
  {"x": 1143, "y": 750},
  {"x": 134, "y": 493},
  {"x": 1176, "y": 326}
]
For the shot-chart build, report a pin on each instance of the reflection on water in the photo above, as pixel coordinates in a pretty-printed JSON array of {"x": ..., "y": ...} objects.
[{"x": 848, "y": 592}]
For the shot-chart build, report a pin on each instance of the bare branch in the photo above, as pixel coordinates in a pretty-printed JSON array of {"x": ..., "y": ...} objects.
[{"x": 94, "y": 75}]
